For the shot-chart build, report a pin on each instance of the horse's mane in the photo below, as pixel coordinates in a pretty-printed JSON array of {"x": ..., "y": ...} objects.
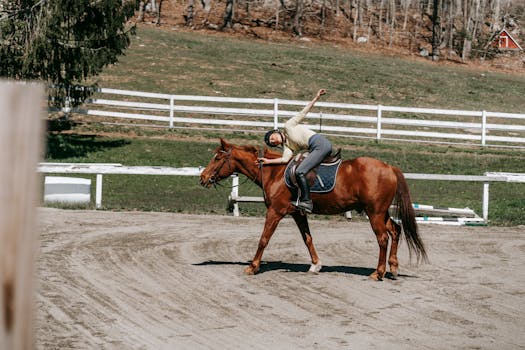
[
  {"x": 246, "y": 148},
  {"x": 268, "y": 153}
]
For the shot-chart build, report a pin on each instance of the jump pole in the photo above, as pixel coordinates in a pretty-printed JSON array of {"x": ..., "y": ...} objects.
[{"x": 22, "y": 108}]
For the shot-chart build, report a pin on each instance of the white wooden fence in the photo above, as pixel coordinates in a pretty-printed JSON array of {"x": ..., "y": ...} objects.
[
  {"x": 483, "y": 128},
  {"x": 486, "y": 179},
  {"x": 100, "y": 169}
]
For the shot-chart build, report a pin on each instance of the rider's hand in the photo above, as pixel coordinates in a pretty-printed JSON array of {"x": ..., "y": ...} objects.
[
  {"x": 261, "y": 161},
  {"x": 321, "y": 92}
]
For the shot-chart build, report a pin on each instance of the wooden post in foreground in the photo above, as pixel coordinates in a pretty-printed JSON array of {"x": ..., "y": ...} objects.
[{"x": 21, "y": 128}]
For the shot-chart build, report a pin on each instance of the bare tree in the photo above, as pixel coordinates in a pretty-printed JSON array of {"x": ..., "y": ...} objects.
[
  {"x": 228, "y": 15},
  {"x": 297, "y": 18},
  {"x": 463, "y": 26},
  {"x": 436, "y": 30},
  {"x": 355, "y": 5},
  {"x": 188, "y": 17},
  {"x": 142, "y": 9},
  {"x": 158, "y": 11},
  {"x": 392, "y": 18}
]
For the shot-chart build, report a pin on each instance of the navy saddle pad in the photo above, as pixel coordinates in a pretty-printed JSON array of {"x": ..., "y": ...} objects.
[{"x": 324, "y": 180}]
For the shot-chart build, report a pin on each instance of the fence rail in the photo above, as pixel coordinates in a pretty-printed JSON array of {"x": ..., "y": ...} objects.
[
  {"x": 235, "y": 198},
  {"x": 482, "y": 128},
  {"x": 101, "y": 169}
]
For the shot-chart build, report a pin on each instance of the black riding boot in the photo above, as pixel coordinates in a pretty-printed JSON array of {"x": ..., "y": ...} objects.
[{"x": 305, "y": 202}]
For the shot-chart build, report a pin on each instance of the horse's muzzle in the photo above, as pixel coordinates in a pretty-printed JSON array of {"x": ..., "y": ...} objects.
[{"x": 207, "y": 182}]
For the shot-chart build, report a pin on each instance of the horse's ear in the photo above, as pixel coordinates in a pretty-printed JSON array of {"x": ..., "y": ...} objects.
[{"x": 224, "y": 144}]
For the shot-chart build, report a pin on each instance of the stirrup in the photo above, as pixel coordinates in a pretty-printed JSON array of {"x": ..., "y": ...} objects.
[{"x": 307, "y": 206}]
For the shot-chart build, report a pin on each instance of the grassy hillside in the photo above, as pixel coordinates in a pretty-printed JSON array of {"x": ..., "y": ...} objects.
[{"x": 190, "y": 63}]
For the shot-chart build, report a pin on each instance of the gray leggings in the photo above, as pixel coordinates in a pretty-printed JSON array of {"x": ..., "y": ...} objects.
[{"x": 319, "y": 148}]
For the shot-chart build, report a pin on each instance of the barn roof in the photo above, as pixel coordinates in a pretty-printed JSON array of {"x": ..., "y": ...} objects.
[{"x": 510, "y": 37}]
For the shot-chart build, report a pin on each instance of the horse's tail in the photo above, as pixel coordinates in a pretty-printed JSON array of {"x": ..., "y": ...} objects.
[{"x": 406, "y": 213}]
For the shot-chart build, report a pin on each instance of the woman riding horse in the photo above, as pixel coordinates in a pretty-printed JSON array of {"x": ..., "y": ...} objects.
[
  {"x": 363, "y": 184},
  {"x": 294, "y": 138}
]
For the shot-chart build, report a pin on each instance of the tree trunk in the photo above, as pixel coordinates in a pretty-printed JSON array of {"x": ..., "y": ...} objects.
[
  {"x": 392, "y": 6},
  {"x": 436, "y": 31},
  {"x": 157, "y": 21},
  {"x": 296, "y": 26},
  {"x": 228, "y": 15},
  {"x": 407, "y": 7},
  {"x": 496, "y": 21},
  {"x": 142, "y": 8},
  {"x": 189, "y": 13},
  {"x": 277, "y": 10},
  {"x": 356, "y": 15},
  {"x": 381, "y": 6}
]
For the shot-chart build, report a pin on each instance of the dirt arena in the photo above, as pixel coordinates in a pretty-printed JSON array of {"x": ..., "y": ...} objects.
[{"x": 120, "y": 280}]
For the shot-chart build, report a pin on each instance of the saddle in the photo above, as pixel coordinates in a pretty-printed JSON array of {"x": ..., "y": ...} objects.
[{"x": 321, "y": 178}]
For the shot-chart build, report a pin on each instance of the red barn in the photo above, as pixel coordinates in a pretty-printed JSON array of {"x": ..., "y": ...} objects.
[{"x": 507, "y": 42}]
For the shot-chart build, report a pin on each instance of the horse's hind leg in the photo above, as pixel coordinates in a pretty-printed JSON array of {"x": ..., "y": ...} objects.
[
  {"x": 302, "y": 224},
  {"x": 394, "y": 230},
  {"x": 377, "y": 221}
]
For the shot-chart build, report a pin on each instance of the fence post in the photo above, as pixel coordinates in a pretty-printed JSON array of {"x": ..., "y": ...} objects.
[
  {"x": 379, "y": 115},
  {"x": 485, "y": 201},
  {"x": 275, "y": 112},
  {"x": 21, "y": 141},
  {"x": 172, "y": 104},
  {"x": 235, "y": 194},
  {"x": 483, "y": 127},
  {"x": 98, "y": 192}
]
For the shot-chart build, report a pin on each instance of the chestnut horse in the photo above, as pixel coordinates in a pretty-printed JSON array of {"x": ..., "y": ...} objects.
[{"x": 362, "y": 184}]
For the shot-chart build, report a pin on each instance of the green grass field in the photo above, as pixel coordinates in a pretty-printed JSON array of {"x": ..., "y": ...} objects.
[
  {"x": 192, "y": 63},
  {"x": 175, "y": 62}
]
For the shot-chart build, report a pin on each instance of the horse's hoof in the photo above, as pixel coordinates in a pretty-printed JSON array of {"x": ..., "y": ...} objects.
[
  {"x": 250, "y": 271},
  {"x": 315, "y": 268},
  {"x": 375, "y": 276}
]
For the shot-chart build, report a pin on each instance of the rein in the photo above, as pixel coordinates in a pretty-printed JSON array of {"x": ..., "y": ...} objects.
[{"x": 261, "y": 154}]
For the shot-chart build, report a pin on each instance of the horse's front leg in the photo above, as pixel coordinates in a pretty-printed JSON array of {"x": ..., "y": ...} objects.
[
  {"x": 302, "y": 224},
  {"x": 272, "y": 220}
]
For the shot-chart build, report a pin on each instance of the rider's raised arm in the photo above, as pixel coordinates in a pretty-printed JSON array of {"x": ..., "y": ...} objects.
[{"x": 299, "y": 117}]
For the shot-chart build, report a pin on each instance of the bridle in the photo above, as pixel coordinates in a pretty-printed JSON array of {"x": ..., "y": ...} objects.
[{"x": 226, "y": 159}]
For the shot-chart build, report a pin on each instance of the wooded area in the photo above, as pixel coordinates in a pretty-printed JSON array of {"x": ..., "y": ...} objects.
[
  {"x": 62, "y": 42},
  {"x": 461, "y": 28}
]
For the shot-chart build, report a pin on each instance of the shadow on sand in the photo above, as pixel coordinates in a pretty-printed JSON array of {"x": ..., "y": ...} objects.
[{"x": 267, "y": 266}]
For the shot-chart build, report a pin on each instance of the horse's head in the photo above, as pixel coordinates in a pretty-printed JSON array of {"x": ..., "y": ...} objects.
[{"x": 219, "y": 167}]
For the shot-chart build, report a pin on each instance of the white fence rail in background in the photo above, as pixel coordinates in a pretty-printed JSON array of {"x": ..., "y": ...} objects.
[
  {"x": 114, "y": 168},
  {"x": 235, "y": 198},
  {"x": 483, "y": 128}
]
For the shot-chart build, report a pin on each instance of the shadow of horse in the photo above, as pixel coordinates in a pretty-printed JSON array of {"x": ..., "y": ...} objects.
[{"x": 267, "y": 266}]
